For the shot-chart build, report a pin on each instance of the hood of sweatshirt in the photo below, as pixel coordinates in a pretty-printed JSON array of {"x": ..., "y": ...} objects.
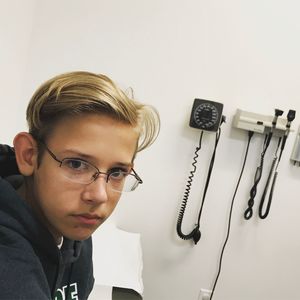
[{"x": 17, "y": 216}]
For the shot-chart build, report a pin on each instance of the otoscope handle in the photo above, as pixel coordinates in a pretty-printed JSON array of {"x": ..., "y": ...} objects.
[
  {"x": 268, "y": 181},
  {"x": 261, "y": 215},
  {"x": 273, "y": 184},
  {"x": 283, "y": 142},
  {"x": 262, "y": 201}
]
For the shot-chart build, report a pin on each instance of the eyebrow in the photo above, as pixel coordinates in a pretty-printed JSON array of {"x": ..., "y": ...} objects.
[{"x": 90, "y": 158}]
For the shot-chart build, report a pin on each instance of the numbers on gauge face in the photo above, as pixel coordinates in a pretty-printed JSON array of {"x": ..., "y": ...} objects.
[{"x": 206, "y": 115}]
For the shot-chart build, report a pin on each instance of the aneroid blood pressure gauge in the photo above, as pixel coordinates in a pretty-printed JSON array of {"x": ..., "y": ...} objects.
[{"x": 206, "y": 115}]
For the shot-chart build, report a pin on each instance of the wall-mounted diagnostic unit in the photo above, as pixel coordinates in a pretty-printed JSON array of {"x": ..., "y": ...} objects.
[
  {"x": 260, "y": 123},
  {"x": 270, "y": 126}
]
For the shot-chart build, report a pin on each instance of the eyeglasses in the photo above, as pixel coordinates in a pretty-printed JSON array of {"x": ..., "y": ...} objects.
[{"x": 80, "y": 171}]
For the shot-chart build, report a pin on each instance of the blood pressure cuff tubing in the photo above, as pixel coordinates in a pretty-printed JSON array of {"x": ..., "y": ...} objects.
[{"x": 8, "y": 164}]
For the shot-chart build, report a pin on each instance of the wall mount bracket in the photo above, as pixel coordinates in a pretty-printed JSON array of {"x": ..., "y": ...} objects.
[{"x": 258, "y": 123}]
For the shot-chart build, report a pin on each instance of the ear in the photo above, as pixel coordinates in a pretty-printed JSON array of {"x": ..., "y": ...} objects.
[{"x": 26, "y": 153}]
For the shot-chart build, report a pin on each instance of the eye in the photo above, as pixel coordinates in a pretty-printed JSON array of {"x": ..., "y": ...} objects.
[
  {"x": 76, "y": 164},
  {"x": 118, "y": 174}
]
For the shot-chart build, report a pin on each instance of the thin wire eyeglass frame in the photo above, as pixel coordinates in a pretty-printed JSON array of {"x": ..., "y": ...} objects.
[{"x": 97, "y": 173}]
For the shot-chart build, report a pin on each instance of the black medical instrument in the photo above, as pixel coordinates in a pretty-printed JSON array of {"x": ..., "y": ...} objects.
[
  {"x": 262, "y": 214},
  {"x": 282, "y": 140},
  {"x": 290, "y": 118},
  {"x": 207, "y": 116},
  {"x": 249, "y": 211}
]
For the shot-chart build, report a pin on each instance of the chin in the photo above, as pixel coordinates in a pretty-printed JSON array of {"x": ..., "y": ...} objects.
[{"x": 78, "y": 236}]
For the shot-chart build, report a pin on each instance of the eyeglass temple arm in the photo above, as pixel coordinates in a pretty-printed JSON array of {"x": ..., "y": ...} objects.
[
  {"x": 50, "y": 152},
  {"x": 137, "y": 176}
]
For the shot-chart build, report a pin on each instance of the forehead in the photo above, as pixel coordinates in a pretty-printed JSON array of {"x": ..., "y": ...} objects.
[{"x": 103, "y": 138}]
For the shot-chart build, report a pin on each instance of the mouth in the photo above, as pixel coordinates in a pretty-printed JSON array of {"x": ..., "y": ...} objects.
[{"x": 88, "y": 219}]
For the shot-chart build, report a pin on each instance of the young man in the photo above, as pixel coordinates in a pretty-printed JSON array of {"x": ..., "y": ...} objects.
[{"x": 75, "y": 161}]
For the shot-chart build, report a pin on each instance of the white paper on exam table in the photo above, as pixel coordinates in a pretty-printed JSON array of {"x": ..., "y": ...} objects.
[{"x": 117, "y": 256}]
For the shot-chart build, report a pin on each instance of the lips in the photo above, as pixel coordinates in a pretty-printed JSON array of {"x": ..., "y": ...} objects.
[
  {"x": 88, "y": 219},
  {"x": 90, "y": 216}
]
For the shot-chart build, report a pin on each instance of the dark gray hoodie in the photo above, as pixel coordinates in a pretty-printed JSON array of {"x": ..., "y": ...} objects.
[{"x": 32, "y": 267}]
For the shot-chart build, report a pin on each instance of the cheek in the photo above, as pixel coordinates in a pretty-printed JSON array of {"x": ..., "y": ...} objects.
[
  {"x": 54, "y": 195},
  {"x": 113, "y": 200}
]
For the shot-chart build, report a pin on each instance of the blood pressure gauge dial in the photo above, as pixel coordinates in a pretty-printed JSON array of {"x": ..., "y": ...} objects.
[{"x": 206, "y": 115}]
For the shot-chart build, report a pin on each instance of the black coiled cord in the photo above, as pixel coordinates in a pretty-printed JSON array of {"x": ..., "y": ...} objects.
[
  {"x": 249, "y": 211},
  {"x": 195, "y": 234}
]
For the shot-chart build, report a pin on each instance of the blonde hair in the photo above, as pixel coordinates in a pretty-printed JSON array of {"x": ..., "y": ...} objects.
[{"x": 81, "y": 92}]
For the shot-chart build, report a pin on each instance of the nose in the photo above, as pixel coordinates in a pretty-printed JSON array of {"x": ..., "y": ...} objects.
[{"x": 96, "y": 192}]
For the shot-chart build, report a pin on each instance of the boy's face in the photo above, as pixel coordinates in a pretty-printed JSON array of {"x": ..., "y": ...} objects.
[{"x": 72, "y": 209}]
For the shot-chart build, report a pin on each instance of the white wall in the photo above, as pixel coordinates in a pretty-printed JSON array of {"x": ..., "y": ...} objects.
[
  {"x": 16, "y": 21},
  {"x": 244, "y": 54}
]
